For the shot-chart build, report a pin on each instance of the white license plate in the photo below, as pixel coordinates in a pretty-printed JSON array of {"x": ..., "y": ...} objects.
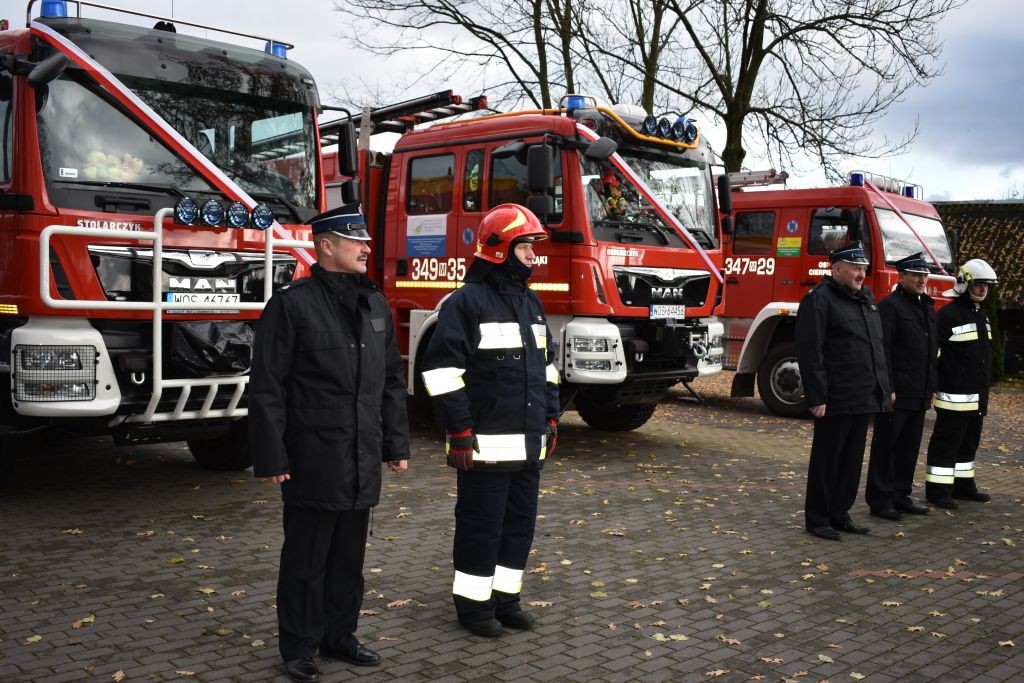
[
  {"x": 667, "y": 311},
  {"x": 200, "y": 298}
]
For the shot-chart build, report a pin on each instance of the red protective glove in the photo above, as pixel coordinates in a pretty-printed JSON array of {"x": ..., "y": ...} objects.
[
  {"x": 551, "y": 437},
  {"x": 459, "y": 448}
]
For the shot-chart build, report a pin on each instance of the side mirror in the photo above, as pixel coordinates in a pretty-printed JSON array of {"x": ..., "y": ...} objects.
[
  {"x": 724, "y": 195},
  {"x": 540, "y": 168},
  {"x": 601, "y": 149},
  {"x": 348, "y": 154},
  {"x": 48, "y": 69},
  {"x": 727, "y": 225}
]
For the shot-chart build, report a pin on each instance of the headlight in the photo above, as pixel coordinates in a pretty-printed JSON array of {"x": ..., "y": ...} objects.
[
  {"x": 212, "y": 213},
  {"x": 262, "y": 216},
  {"x": 589, "y": 345},
  {"x": 238, "y": 215},
  {"x": 186, "y": 211},
  {"x": 594, "y": 365},
  {"x": 51, "y": 357}
]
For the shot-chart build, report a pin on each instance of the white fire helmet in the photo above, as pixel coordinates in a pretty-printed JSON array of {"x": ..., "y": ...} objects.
[{"x": 974, "y": 270}]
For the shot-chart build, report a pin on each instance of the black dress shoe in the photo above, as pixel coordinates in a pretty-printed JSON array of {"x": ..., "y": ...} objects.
[
  {"x": 826, "y": 532},
  {"x": 850, "y": 527},
  {"x": 485, "y": 628},
  {"x": 302, "y": 670},
  {"x": 358, "y": 655},
  {"x": 892, "y": 514},
  {"x": 976, "y": 496},
  {"x": 520, "y": 620},
  {"x": 947, "y": 503},
  {"x": 912, "y": 508}
]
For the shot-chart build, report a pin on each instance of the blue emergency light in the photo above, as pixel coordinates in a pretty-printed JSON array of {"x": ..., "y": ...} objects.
[
  {"x": 857, "y": 179},
  {"x": 575, "y": 102},
  {"x": 186, "y": 211},
  {"x": 212, "y": 213},
  {"x": 276, "y": 49},
  {"x": 54, "y": 8},
  {"x": 909, "y": 191},
  {"x": 238, "y": 215}
]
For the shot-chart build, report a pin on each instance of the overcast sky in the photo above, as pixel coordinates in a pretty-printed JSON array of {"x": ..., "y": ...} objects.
[{"x": 971, "y": 140}]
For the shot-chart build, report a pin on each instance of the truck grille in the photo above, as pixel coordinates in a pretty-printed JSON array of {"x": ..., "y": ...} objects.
[{"x": 643, "y": 286}]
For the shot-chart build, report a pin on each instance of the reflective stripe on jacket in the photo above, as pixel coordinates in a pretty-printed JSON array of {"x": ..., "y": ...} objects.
[{"x": 488, "y": 367}]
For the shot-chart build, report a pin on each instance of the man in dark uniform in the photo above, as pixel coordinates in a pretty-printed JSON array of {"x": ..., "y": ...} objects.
[
  {"x": 326, "y": 407},
  {"x": 489, "y": 369},
  {"x": 842, "y": 365},
  {"x": 908, "y": 324},
  {"x": 965, "y": 374}
]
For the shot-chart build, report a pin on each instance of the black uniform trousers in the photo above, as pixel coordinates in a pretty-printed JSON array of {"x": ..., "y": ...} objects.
[
  {"x": 833, "y": 473},
  {"x": 955, "y": 440},
  {"x": 495, "y": 516},
  {"x": 894, "y": 448},
  {"x": 320, "y": 584}
]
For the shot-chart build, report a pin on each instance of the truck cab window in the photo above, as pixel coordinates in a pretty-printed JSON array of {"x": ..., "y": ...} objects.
[
  {"x": 754, "y": 232},
  {"x": 509, "y": 186},
  {"x": 6, "y": 129},
  {"x": 473, "y": 182},
  {"x": 431, "y": 181}
]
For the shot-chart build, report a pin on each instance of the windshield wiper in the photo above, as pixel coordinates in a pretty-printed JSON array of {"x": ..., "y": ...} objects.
[
  {"x": 113, "y": 184},
  {"x": 301, "y": 214}
]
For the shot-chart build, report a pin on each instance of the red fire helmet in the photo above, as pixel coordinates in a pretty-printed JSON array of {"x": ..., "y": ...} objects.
[{"x": 503, "y": 225}]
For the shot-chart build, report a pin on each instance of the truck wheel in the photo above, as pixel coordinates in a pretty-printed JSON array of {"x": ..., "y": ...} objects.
[
  {"x": 612, "y": 418},
  {"x": 778, "y": 381},
  {"x": 224, "y": 453}
]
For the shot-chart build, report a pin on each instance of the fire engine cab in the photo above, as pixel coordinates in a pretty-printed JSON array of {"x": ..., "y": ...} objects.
[
  {"x": 153, "y": 187},
  {"x": 779, "y": 249},
  {"x": 630, "y": 278}
]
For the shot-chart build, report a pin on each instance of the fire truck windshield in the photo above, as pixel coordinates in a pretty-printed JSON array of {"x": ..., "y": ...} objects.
[
  {"x": 620, "y": 213},
  {"x": 261, "y": 144},
  {"x": 899, "y": 241},
  {"x": 250, "y": 113}
]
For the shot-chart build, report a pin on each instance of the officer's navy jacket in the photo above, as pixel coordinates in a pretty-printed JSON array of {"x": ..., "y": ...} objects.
[
  {"x": 489, "y": 368},
  {"x": 839, "y": 348},
  {"x": 911, "y": 346},
  {"x": 965, "y": 356},
  {"x": 326, "y": 394}
]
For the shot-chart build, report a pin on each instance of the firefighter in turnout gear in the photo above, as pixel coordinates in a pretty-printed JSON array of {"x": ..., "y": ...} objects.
[
  {"x": 489, "y": 369},
  {"x": 965, "y": 372}
]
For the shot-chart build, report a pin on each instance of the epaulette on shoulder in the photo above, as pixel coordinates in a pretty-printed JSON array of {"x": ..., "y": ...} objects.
[{"x": 294, "y": 284}]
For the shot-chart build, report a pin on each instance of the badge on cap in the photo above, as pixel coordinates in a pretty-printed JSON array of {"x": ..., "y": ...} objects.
[
  {"x": 346, "y": 221},
  {"x": 915, "y": 263},
  {"x": 851, "y": 254}
]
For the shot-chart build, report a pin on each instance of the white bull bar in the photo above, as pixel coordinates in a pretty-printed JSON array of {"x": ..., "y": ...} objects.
[{"x": 157, "y": 307}]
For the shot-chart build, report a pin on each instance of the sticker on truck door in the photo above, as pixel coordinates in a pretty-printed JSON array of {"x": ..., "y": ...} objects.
[
  {"x": 788, "y": 246},
  {"x": 426, "y": 235}
]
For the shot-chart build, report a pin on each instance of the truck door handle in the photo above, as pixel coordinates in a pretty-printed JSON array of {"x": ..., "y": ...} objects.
[
  {"x": 732, "y": 280},
  {"x": 808, "y": 283}
]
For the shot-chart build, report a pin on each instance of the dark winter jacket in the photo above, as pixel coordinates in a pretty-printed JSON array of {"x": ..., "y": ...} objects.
[
  {"x": 965, "y": 356},
  {"x": 326, "y": 395},
  {"x": 489, "y": 367},
  {"x": 911, "y": 347},
  {"x": 839, "y": 347}
]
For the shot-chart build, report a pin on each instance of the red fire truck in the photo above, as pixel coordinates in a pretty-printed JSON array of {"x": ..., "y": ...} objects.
[
  {"x": 152, "y": 190},
  {"x": 630, "y": 278},
  {"x": 778, "y": 251}
]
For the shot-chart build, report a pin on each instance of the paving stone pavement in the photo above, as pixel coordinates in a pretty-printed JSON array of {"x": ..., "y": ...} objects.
[{"x": 672, "y": 553}]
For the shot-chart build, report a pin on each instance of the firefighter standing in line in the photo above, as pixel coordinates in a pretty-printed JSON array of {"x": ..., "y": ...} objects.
[
  {"x": 842, "y": 365},
  {"x": 489, "y": 369},
  {"x": 910, "y": 339},
  {"x": 326, "y": 407},
  {"x": 965, "y": 373}
]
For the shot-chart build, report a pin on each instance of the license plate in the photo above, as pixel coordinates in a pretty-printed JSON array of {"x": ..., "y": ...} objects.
[
  {"x": 200, "y": 298},
  {"x": 667, "y": 311}
]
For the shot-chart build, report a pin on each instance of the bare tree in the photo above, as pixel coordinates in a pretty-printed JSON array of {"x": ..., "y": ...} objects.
[
  {"x": 809, "y": 75},
  {"x": 803, "y": 75}
]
